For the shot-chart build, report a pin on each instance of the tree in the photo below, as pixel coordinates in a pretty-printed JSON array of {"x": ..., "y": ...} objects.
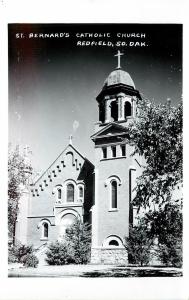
[
  {"x": 75, "y": 247},
  {"x": 78, "y": 239},
  {"x": 139, "y": 244},
  {"x": 18, "y": 170},
  {"x": 157, "y": 136},
  {"x": 166, "y": 224}
]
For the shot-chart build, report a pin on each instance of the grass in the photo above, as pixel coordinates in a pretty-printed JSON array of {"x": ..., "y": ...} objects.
[{"x": 94, "y": 271}]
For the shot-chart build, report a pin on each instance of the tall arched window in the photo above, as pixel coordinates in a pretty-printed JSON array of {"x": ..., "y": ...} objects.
[
  {"x": 127, "y": 109},
  {"x": 70, "y": 192},
  {"x": 114, "y": 194},
  {"x": 45, "y": 233}
]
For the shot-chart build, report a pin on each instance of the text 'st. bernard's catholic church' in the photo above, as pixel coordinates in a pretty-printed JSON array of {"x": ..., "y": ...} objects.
[{"x": 100, "y": 194}]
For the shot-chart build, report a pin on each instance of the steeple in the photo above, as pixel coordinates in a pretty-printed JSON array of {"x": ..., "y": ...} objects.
[{"x": 117, "y": 99}]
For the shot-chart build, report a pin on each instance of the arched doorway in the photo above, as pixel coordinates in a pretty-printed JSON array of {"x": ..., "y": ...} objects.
[{"x": 66, "y": 221}]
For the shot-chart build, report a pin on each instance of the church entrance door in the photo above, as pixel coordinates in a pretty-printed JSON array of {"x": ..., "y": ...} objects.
[{"x": 65, "y": 222}]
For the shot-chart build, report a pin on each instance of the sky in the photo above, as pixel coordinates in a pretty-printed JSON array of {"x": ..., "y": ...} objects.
[{"x": 53, "y": 81}]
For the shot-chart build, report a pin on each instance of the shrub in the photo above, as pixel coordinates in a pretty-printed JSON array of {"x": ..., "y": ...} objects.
[
  {"x": 170, "y": 252},
  {"x": 75, "y": 248},
  {"x": 166, "y": 225},
  {"x": 138, "y": 245},
  {"x": 11, "y": 255},
  {"x": 57, "y": 254},
  {"x": 30, "y": 260},
  {"x": 18, "y": 251}
]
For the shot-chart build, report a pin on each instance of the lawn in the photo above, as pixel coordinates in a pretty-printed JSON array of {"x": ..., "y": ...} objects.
[{"x": 93, "y": 271}]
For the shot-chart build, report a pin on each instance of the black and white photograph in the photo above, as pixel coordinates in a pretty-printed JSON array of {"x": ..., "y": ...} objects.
[{"x": 95, "y": 150}]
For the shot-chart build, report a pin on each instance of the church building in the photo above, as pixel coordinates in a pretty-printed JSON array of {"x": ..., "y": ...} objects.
[{"x": 100, "y": 193}]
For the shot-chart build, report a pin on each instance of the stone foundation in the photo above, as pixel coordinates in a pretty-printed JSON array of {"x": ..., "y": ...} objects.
[{"x": 112, "y": 256}]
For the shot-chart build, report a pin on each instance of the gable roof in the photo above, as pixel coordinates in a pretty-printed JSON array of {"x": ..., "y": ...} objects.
[
  {"x": 48, "y": 170},
  {"x": 112, "y": 129}
]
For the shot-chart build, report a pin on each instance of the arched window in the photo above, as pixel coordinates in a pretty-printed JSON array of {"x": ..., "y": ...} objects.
[
  {"x": 123, "y": 150},
  {"x": 127, "y": 109},
  {"x": 66, "y": 221},
  {"x": 104, "y": 152},
  {"x": 114, "y": 111},
  {"x": 80, "y": 192},
  {"x": 102, "y": 112},
  {"x": 45, "y": 229},
  {"x": 114, "y": 194},
  {"x": 113, "y": 243},
  {"x": 59, "y": 194},
  {"x": 70, "y": 192}
]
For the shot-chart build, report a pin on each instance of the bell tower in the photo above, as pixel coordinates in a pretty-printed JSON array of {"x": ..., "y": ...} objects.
[
  {"x": 117, "y": 99},
  {"x": 115, "y": 167}
]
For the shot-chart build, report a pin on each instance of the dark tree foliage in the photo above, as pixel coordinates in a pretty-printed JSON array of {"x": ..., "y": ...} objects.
[
  {"x": 157, "y": 136},
  {"x": 170, "y": 252},
  {"x": 166, "y": 224},
  {"x": 139, "y": 244},
  {"x": 165, "y": 221}
]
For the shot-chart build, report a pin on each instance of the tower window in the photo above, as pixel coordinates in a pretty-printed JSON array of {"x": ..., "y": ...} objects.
[
  {"x": 104, "y": 152},
  {"x": 80, "y": 192},
  {"x": 127, "y": 109},
  {"x": 114, "y": 151},
  {"x": 59, "y": 194},
  {"x": 102, "y": 112},
  {"x": 70, "y": 193},
  {"x": 114, "y": 194},
  {"x": 123, "y": 150},
  {"x": 45, "y": 229},
  {"x": 114, "y": 111}
]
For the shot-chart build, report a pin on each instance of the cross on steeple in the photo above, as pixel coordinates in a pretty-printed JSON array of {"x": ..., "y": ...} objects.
[
  {"x": 70, "y": 139},
  {"x": 119, "y": 54}
]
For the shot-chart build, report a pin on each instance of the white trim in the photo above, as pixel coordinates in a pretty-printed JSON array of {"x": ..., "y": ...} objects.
[
  {"x": 112, "y": 177},
  {"x": 55, "y": 192},
  {"x": 66, "y": 183},
  {"x": 61, "y": 216},
  {"x": 41, "y": 225},
  {"x": 108, "y": 184},
  {"x": 80, "y": 185},
  {"x": 69, "y": 211}
]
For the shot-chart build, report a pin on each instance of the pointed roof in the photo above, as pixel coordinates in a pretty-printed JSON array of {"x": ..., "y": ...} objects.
[
  {"x": 48, "y": 170},
  {"x": 112, "y": 129}
]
